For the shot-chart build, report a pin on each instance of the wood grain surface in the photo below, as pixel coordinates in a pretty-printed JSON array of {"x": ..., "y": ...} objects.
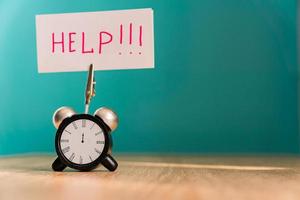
[{"x": 155, "y": 177}]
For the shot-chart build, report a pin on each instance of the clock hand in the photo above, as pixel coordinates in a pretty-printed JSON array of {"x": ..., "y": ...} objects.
[{"x": 82, "y": 138}]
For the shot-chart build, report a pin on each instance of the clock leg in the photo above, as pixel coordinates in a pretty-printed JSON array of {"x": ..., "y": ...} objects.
[
  {"x": 109, "y": 163},
  {"x": 58, "y": 166}
]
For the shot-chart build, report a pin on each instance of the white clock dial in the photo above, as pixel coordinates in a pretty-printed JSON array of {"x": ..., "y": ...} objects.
[{"x": 82, "y": 141}]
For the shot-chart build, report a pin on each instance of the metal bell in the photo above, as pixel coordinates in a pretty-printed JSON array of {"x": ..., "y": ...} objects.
[
  {"x": 60, "y": 114},
  {"x": 109, "y": 117}
]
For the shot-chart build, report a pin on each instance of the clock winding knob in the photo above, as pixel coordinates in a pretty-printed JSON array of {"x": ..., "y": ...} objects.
[
  {"x": 60, "y": 114},
  {"x": 109, "y": 117}
]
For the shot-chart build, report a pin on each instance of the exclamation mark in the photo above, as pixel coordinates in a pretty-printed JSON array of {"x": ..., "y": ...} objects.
[
  {"x": 140, "y": 36},
  {"x": 121, "y": 33},
  {"x": 121, "y": 36},
  {"x": 130, "y": 33}
]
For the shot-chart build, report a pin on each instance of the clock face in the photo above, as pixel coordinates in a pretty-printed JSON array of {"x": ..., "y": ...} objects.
[{"x": 82, "y": 141}]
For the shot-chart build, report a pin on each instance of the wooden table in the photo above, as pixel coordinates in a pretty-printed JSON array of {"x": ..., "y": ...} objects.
[{"x": 155, "y": 177}]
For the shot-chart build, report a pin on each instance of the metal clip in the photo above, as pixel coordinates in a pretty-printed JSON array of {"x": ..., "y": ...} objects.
[{"x": 90, "y": 88}]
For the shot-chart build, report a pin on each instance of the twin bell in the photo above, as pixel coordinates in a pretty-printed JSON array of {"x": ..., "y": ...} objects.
[{"x": 108, "y": 116}]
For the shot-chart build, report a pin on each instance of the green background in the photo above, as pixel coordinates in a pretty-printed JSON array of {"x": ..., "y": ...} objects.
[{"x": 225, "y": 79}]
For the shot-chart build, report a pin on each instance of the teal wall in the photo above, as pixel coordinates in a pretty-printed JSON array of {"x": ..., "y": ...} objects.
[{"x": 225, "y": 79}]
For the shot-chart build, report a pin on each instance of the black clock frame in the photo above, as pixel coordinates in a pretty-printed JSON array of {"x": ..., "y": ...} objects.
[{"x": 61, "y": 162}]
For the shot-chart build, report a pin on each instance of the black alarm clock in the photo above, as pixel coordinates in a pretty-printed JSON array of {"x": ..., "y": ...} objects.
[{"x": 83, "y": 141}]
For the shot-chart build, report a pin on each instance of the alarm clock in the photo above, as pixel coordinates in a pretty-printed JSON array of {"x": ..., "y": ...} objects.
[{"x": 84, "y": 141}]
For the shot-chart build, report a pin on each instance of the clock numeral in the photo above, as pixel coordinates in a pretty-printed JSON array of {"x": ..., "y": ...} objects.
[
  {"x": 98, "y": 133},
  {"x": 66, "y": 149},
  {"x": 99, "y": 142},
  {"x": 92, "y": 126},
  {"x": 91, "y": 158},
  {"x": 97, "y": 151},
  {"x": 64, "y": 140},
  {"x": 80, "y": 160},
  {"x": 83, "y": 123},
  {"x": 68, "y": 132},
  {"x": 75, "y": 125},
  {"x": 72, "y": 157}
]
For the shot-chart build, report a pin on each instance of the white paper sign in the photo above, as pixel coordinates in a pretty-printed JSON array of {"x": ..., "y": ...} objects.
[{"x": 109, "y": 40}]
